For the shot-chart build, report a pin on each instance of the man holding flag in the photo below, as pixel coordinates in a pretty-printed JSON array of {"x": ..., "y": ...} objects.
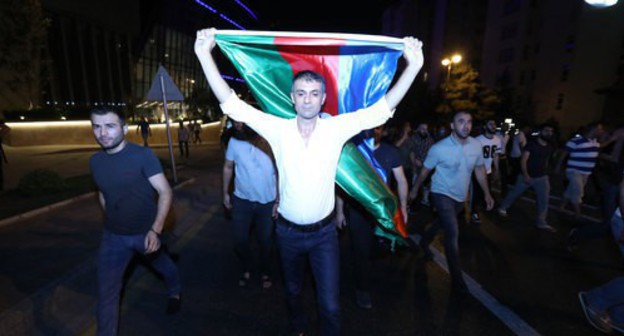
[{"x": 307, "y": 150}]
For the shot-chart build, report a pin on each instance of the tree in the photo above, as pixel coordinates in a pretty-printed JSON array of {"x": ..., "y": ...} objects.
[
  {"x": 463, "y": 91},
  {"x": 23, "y": 40}
]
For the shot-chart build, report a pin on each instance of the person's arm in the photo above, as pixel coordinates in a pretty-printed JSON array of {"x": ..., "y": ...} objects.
[
  {"x": 402, "y": 189},
  {"x": 165, "y": 195},
  {"x": 341, "y": 220},
  {"x": 413, "y": 55},
  {"x": 204, "y": 44},
  {"x": 228, "y": 172},
  {"x": 483, "y": 183},
  {"x": 424, "y": 173},
  {"x": 523, "y": 166}
]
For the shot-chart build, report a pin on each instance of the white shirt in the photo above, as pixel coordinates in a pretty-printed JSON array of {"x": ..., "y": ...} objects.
[
  {"x": 491, "y": 149},
  {"x": 307, "y": 173}
]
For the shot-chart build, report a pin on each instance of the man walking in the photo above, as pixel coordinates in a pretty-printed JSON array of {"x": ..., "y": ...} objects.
[
  {"x": 491, "y": 146},
  {"x": 454, "y": 159},
  {"x": 582, "y": 152},
  {"x": 307, "y": 149},
  {"x": 128, "y": 177},
  {"x": 534, "y": 168}
]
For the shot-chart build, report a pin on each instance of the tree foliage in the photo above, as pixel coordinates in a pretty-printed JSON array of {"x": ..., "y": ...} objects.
[
  {"x": 463, "y": 91},
  {"x": 23, "y": 39}
]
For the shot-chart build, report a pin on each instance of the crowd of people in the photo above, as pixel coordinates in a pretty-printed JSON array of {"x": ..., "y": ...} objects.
[{"x": 279, "y": 179}]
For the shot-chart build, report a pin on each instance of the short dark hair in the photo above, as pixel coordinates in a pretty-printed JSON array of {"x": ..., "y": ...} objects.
[
  {"x": 544, "y": 125},
  {"x": 102, "y": 111},
  {"x": 458, "y": 112},
  {"x": 309, "y": 76}
]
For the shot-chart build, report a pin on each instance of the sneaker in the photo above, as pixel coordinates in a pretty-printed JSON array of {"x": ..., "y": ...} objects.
[
  {"x": 363, "y": 300},
  {"x": 502, "y": 212},
  {"x": 475, "y": 218},
  {"x": 546, "y": 227},
  {"x": 601, "y": 323},
  {"x": 173, "y": 305},
  {"x": 573, "y": 241}
]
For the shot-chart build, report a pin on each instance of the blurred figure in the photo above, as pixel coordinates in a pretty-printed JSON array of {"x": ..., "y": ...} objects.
[
  {"x": 183, "y": 139},
  {"x": 405, "y": 144},
  {"x": 454, "y": 159},
  {"x": 604, "y": 305},
  {"x": 197, "y": 129},
  {"x": 582, "y": 153},
  {"x": 503, "y": 161},
  {"x": 135, "y": 196},
  {"x": 145, "y": 129},
  {"x": 253, "y": 204},
  {"x": 4, "y": 132},
  {"x": 518, "y": 141},
  {"x": 422, "y": 143},
  {"x": 362, "y": 224},
  {"x": 491, "y": 148},
  {"x": 534, "y": 167}
]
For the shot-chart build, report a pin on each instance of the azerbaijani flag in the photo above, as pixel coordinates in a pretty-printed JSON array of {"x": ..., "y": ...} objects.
[{"x": 358, "y": 70}]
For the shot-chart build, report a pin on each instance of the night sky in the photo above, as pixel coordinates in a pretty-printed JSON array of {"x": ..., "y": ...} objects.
[{"x": 322, "y": 15}]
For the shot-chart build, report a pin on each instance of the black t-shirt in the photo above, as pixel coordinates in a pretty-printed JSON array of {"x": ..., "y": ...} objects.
[
  {"x": 123, "y": 180},
  {"x": 388, "y": 157},
  {"x": 537, "y": 164}
]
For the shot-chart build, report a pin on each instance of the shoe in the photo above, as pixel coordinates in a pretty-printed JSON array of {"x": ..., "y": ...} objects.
[
  {"x": 363, "y": 300},
  {"x": 502, "y": 212},
  {"x": 546, "y": 227},
  {"x": 242, "y": 281},
  {"x": 427, "y": 254},
  {"x": 475, "y": 218},
  {"x": 573, "y": 241},
  {"x": 173, "y": 305},
  {"x": 602, "y": 323},
  {"x": 266, "y": 282}
]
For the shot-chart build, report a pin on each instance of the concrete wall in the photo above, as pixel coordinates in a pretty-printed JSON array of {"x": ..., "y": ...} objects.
[{"x": 79, "y": 133}]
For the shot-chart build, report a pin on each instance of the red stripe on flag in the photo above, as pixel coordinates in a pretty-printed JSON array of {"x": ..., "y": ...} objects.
[
  {"x": 399, "y": 224},
  {"x": 318, "y": 55}
]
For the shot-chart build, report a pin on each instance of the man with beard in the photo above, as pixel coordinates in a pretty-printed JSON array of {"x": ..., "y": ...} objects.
[
  {"x": 454, "y": 159},
  {"x": 128, "y": 177},
  {"x": 534, "y": 174},
  {"x": 491, "y": 145},
  {"x": 249, "y": 160}
]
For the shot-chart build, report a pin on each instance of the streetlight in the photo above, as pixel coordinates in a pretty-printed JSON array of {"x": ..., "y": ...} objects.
[{"x": 448, "y": 63}]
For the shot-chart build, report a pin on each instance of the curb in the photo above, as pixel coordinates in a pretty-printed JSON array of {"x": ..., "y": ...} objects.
[{"x": 47, "y": 208}]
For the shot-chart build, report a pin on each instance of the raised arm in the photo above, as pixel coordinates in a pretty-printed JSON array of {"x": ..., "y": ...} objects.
[
  {"x": 204, "y": 44},
  {"x": 413, "y": 55}
]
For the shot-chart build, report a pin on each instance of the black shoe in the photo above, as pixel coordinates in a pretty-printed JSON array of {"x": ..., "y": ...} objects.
[
  {"x": 475, "y": 218},
  {"x": 427, "y": 254},
  {"x": 573, "y": 241},
  {"x": 363, "y": 300},
  {"x": 173, "y": 305}
]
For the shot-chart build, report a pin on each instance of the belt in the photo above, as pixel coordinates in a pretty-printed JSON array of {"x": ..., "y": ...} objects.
[{"x": 306, "y": 227}]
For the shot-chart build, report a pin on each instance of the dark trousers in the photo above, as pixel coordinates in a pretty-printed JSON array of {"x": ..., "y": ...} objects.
[
  {"x": 245, "y": 216},
  {"x": 361, "y": 233},
  {"x": 321, "y": 249},
  {"x": 448, "y": 210},
  {"x": 505, "y": 178},
  {"x": 184, "y": 150},
  {"x": 478, "y": 197}
]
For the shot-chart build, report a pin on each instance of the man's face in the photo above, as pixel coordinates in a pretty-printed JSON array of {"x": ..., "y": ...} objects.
[
  {"x": 308, "y": 98},
  {"x": 108, "y": 131},
  {"x": 547, "y": 133},
  {"x": 490, "y": 127},
  {"x": 462, "y": 125},
  {"x": 422, "y": 130}
]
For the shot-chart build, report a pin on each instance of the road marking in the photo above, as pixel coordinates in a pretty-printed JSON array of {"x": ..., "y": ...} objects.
[{"x": 516, "y": 324}]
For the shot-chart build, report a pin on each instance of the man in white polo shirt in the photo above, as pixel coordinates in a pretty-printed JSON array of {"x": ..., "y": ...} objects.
[
  {"x": 454, "y": 159},
  {"x": 307, "y": 149}
]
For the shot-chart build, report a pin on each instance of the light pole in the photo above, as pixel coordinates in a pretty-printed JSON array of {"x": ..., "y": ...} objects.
[{"x": 448, "y": 63}]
